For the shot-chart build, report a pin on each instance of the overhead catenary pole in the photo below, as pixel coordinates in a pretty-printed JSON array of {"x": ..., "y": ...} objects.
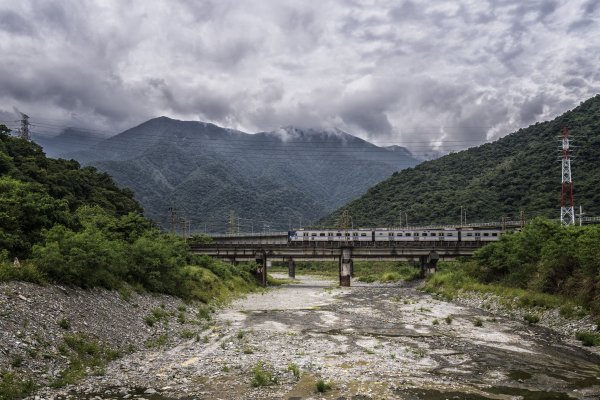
[{"x": 173, "y": 219}]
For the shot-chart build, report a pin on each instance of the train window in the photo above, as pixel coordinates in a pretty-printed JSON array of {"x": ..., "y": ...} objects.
[
  {"x": 494, "y": 234},
  {"x": 322, "y": 234},
  {"x": 486, "y": 234},
  {"x": 450, "y": 234},
  {"x": 338, "y": 234},
  {"x": 441, "y": 234},
  {"x": 399, "y": 234},
  {"x": 469, "y": 234},
  {"x": 407, "y": 234},
  {"x": 478, "y": 234},
  {"x": 424, "y": 234},
  {"x": 416, "y": 234},
  {"x": 363, "y": 234},
  {"x": 347, "y": 234},
  {"x": 305, "y": 234},
  {"x": 313, "y": 234},
  {"x": 354, "y": 233},
  {"x": 432, "y": 233},
  {"x": 391, "y": 234},
  {"x": 380, "y": 233}
]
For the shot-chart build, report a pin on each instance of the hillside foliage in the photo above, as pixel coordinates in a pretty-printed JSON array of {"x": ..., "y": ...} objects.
[
  {"x": 544, "y": 258},
  {"x": 520, "y": 172},
  {"x": 73, "y": 226},
  {"x": 38, "y": 192}
]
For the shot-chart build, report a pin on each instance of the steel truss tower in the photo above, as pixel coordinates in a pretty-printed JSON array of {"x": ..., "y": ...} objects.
[{"x": 567, "y": 210}]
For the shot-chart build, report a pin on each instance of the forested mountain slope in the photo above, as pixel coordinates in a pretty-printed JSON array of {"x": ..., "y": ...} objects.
[
  {"x": 287, "y": 177},
  {"x": 521, "y": 171}
]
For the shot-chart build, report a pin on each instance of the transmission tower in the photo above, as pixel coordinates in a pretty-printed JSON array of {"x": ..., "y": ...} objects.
[
  {"x": 24, "y": 131},
  {"x": 567, "y": 211}
]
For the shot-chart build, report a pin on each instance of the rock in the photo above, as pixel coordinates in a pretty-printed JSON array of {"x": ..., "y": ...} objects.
[{"x": 150, "y": 391}]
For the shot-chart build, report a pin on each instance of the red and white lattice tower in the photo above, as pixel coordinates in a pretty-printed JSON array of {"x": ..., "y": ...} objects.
[{"x": 567, "y": 210}]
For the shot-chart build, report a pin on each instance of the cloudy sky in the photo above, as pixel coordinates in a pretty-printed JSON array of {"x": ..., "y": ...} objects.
[{"x": 414, "y": 73}]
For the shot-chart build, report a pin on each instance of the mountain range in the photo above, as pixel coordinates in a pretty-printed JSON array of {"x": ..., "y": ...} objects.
[
  {"x": 271, "y": 180},
  {"x": 520, "y": 172}
]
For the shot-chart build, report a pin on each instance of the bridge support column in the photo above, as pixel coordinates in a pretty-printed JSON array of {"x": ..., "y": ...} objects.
[
  {"x": 428, "y": 263},
  {"x": 261, "y": 270},
  {"x": 291, "y": 268},
  {"x": 345, "y": 266}
]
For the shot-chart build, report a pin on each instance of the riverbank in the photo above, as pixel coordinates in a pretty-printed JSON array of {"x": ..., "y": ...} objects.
[
  {"x": 54, "y": 335},
  {"x": 367, "y": 341}
]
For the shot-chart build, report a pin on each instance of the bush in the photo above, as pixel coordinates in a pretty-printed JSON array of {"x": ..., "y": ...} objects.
[
  {"x": 261, "y": 376},
  {"x": 588, "y": 338},
  {"x": 322, "y": 386},
  {"x": 294, "y": 369},
  {"x": 13, "y": 386},
  {"x": 531, "y": 318}
]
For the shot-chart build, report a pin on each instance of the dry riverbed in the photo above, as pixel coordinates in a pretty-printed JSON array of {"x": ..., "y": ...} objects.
[{"x": 370, "y": 341}]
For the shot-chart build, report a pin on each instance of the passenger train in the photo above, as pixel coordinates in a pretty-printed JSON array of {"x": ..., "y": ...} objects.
[{"x": 396, "y": 235}]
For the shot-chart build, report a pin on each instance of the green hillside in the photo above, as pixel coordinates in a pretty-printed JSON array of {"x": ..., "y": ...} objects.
[
  {"x": 521, "y": 171},
  {"x": 39, "y": 192}
]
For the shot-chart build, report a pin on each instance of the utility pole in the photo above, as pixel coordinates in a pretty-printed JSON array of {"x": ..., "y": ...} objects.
[
  {"x": 581, "y": 214},
  {"x": 522, "y": 218},
  {"x": 24, "y": 131},
  {"x": 231, "y": 224},
  {"x": 567, "y": 212},
  {"x": 173, "y": 219},
  {"x": 344, "y": 221}
]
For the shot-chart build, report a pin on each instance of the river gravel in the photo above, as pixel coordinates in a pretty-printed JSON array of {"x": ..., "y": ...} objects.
[{"x": 369, "y": 341}]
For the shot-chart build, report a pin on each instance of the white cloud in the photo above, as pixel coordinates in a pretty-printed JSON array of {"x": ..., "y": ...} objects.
[{"x": 411, "y": 73}]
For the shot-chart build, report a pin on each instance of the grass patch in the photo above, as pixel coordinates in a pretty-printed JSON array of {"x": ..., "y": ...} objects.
[
  {"x": 294, "y": 369},
  {"x": 86, "y": 356},
  {"x": 14, "y": 386},
  {"x": 321, "y": 386},
  {"x": 272, "y": 281},
  {"x": 588, "y": 338},
  {"x": 157, "y": 342},
  {"x": 531, "y": 318},
  {"x": 204, "y": 313},
  {"x": 64, "y": 323},
  {"x": 478, "y": 322},
  {"x": 448, "y": 320},
  {"x": 187, "y": 334},
  {"x": 261, "y": 376}
]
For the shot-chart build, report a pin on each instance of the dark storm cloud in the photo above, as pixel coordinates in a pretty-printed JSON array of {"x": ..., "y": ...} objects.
[{"x": 393, "y": 72}]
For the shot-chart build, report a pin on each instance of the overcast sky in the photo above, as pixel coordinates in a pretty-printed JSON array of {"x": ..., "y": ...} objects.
[{"x": 412, "y": 73}]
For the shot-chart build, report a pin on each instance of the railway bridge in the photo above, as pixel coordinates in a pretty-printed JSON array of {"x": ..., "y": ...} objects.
[{"x": 266, "y": 249}]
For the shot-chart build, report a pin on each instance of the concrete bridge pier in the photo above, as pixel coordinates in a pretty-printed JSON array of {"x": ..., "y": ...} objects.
[
  {"x": 428, "y": 263},
  {"x": 291, "y": 268},
  {"x": 261, "y": 270},
  {"x": 345, "y": 266}
]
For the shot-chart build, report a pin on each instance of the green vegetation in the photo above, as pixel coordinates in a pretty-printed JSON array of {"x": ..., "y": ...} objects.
[
  {"x": 14, "y": 386},
  {"x": 86, "y": 356},
  {"x": 322, "y": 386},
  {"x": 261, "y": 376},
  {"x": 531, "y": 318},
  {"x": 64, "y": 323},
  {"x": 544, "y": 266},
  {"x": 588, "y": 338},
  {"x": 294, "y": 369},
  {"x": 517, "y": 172},
  {"x": 365, "y": 271},
  {"x": 478, "y": 322},
  {"x": 73, "y": 226}
]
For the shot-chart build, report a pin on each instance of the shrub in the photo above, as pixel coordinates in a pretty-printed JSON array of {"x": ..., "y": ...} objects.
[
  {"x": 261, "y": 376},
  {"x": 64, "y": 323},
  {"x": 13, "y": 386},
  {"x": 448, "y": 319},
  {"x": 588, "y": 338},
  {"x": 294, "y": 369},
  {"x": 478, "y": 322},
  {"x": 531, "y": 318},
  {"x": 322, "y": 386}
]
